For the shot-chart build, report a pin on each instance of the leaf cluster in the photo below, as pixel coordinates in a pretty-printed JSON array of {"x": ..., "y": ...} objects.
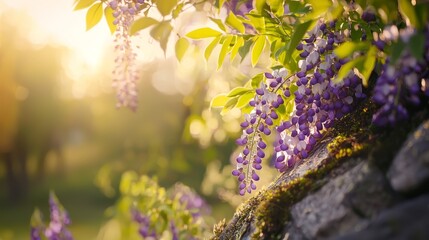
[{"x": 143, "y": 194}]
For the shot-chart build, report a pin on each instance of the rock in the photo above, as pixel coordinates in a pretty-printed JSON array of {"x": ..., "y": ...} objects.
[
  {"x": 409, "y": 220},
  {"x": 344, "y": 204},
  {"x": 293, "y": 233},
  {"x": 410, "y": 168}
]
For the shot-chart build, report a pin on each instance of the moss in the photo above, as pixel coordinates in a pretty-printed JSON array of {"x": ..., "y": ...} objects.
[
  {"x": 219, "y": 227},
  {"x": 274, "y": 209},
  {"x": 345, "y": 146}
]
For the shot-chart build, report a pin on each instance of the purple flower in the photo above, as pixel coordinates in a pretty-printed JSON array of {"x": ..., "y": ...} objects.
[
  {"x": 126, "y": 74},
  {"x": 144, "y": 224},
  {"x": 174, "y": 231},
  {"x": 56, "y": 229},
  {"x": 193, "y": 202}
]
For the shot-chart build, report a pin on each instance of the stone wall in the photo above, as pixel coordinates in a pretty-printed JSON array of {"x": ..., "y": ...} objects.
[{"x": 367, "y": 185}]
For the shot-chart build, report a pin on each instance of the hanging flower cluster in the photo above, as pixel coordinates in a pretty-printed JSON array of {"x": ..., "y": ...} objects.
[
  {"x": 57, "y": 227},
  {"x": 318, "y": 102},
  {"x": 401, "y": 82},
  {"x": 126, "y": 74}
]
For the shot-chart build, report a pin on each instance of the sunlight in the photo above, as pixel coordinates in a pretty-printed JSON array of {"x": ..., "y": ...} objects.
[{"x": 55, "y": 23}]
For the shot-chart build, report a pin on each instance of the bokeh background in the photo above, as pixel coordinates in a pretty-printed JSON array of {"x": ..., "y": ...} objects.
[{"x": 60, "y": 130}]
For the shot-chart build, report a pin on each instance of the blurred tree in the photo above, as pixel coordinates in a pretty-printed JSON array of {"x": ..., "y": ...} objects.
[{"x": 35, "y": 121}]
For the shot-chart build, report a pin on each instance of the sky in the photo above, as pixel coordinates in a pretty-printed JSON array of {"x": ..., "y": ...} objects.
[{"x": 56, "y": 22}]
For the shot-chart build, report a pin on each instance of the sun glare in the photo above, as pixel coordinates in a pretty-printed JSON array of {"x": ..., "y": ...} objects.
[{"x": 56, "y": 23}]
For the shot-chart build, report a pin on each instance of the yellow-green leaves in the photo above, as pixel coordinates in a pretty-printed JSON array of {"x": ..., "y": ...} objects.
[
  {"x": 141, "y": 24},
  {"x": 165, "y": 6},
  {"x": 365, "y": 70},
  {"x": 238, "y": 44},
  {"x": 224, "y": 50},
  {"x": 161, "y": 32},
  {"x": 108, "y": 14},
  {"x": 298, "y": 33},
  {"x": 210, "y": 47},
  {"x": 219, "y": 101},
  {"x": 348, "y": 48},
  {"x": 275, "y": 5},
  {"x": 126, "y": 182},
  {"x": 94, "y": 14},
  {"x": 82, "y": 4},
  {"x": 257, "y": 48},
  {"x": 181, "y": 46},
  {"x": 234, "y": 22},
  {"x": 238, "y": 91},
  {"x": 238, "y": 97},
  {"x": 243, "y": 100},
  {"x": 219, "y": 23},
  {"x": 203, "y": 33},
  {"x": 362, "y": 66},
  {"x": 407, "y": 11}
]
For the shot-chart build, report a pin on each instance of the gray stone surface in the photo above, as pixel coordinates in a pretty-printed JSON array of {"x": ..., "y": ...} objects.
[
  {"x": 409, "y": 220},
  {"x": 410, "y": 168},
  {"x": 344, "y": 204},
  {"x": 292, "y": 232}
]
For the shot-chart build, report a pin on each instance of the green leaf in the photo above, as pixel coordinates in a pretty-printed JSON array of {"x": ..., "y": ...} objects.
[
  {"x": 256, "y": 80},
  {"x": 397, "y": 48},
  {"x": 108, "y": 14},
  {"x": 238, "y": 43},
  {"x": 232, "y": 102},
  {"x": 422, "y": 12},
  {"x": 81, "y": 4},
  {"x": 275, "y": 4},
  {"x": 36, "y": 219},
  {"x": 219, "y": 101},
  {"x": 257, "y": 48},
  {"x": 244, "y": 50},
  {"x": 356, "y": 33},
  {"x": 319, "y": 7},
  {"x": 224, "y": 50},
  {"x": 258, "y": 22},
  {"x": 417, "y": 45},
  {"x": 243, "y": 100},
  {"x": 234, "y": 22},
  {"x": 289, "y": 109},
  {"x": 220, "y": 3},
  {"x": 203, "y": 33},
  {"x": 238, "y": 91},
  {"x": 281, "y": 110},
  {"x": 346, "y": 68},
  {"x": 94, "y": 14},
  {"x": 161, "y": 33},
  {"x": 142, "y": 23},
  {"x": 408, "y": 12},
  {"x": 298, "y": 33},
  {"x": 181, "y": 46},
  {"x": 126, "y": 181},
  {"x": 297, "y": 7},
  {"x": 165, "y": 6},
  {"x": 177, "y": 10},
  {"x": 348, "y": 48},
  {"x": 259, "y": 5},
  {"x": 364, "y": 70},
  {"x": 219, "y": 23},
  {"x": 210, "y": 47}
]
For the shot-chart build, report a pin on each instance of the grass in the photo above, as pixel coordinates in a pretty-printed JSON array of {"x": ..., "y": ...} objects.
[{"x": 75, "y": 190}]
